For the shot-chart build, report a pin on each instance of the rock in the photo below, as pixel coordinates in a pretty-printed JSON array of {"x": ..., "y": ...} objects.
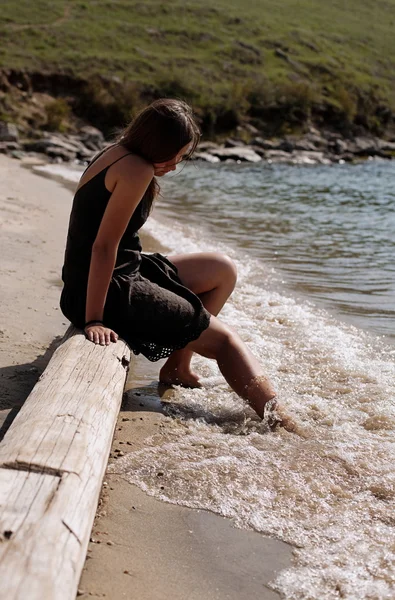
[
  {"x": 229, "y": 143},
  {"x": 53, "y": 146},
  {"x": 365, "y": 146},
  {"x": 300, "y": 157},
  {"x": 12, "y": 146},
  {"x": 241, "y": 153},
  {"x": 260, "y": 151},
  {"x": 46, "y": 144},
  {"x": 11, "y": 149},
  {"x": 85, "y": 154},
  {"x": 92, "y": 138},
  {"x": 265, "y": 144},
  {"x": 305, "y": 145},
  {"x": 286, "y": 146},
  {"x": 347, "y": 157},
  {"x": 362, "y": 146},
  {"x": 17, "y": 154},
  {"x": 8, "y": 132},
  {"x": 290, "y": 144},
  {"x": 313, "y": 131},
  {"x": 203, "y": 146},
  {"x": 310, "y": 158},
  {"x": 8, "y": 147},
  {"x": 73, "y": 142},
  {"x": 338, "y": 146},
  {"x": 316, "y": 139},
  {"x": 206, "y": 157},
  {"x": 278, "y": 156},
  {"x": 386, "y": 146},
  {"x": 250, "y": 128}
]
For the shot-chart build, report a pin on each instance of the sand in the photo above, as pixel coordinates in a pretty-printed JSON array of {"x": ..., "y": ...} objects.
[
  {"x": 33, "y": 220},
  {"x": 141, "y": 548}
]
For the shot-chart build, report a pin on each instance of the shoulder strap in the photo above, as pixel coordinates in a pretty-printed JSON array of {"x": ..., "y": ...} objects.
[
  {"x": 98, "y": 155},
  {"x": 120, "y": 158},
  {"x": 102, "y": 171}
]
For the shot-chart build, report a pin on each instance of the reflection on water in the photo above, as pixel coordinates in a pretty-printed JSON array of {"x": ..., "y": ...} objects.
[{"x": 329, "y": 230}]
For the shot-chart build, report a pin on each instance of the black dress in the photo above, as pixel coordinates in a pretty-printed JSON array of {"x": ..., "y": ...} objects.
[{"x": 146, "y": 305}]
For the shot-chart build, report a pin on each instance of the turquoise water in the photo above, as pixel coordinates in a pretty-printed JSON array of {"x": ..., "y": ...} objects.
[{"x": 328, "y": 231}]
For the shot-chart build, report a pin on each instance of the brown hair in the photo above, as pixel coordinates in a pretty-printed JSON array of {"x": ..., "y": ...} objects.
[{"x": 158, "y": 133}]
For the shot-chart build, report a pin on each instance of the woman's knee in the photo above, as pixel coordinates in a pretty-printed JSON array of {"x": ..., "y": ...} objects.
[
  {"x": 227, "y": 268},
  {"x": 202, "y": 272}
]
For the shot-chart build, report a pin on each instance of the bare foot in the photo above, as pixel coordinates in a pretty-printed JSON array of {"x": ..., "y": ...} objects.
[
  {"x": 278, "y": 417},
  {"x": 258, "y": 393},
  {"x": 178, "y": 376}
]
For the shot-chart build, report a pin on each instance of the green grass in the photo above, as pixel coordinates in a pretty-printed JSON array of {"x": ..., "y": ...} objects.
[{"x": 229, "y": 58}]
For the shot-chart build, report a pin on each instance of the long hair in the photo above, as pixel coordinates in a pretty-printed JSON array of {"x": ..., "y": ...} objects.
[{"x": 158, "y": 133}]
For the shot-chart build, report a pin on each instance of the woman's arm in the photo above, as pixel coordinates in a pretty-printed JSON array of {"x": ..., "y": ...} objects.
[{"x": 132, "y": 179}]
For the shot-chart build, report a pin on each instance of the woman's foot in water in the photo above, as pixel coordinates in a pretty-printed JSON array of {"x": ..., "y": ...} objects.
[
  {"x": 176, "y": 376},
  {"x": 178, "y": 373},
  {"x": 261, "y": 396},
  {"x": 177, "y": 370}
]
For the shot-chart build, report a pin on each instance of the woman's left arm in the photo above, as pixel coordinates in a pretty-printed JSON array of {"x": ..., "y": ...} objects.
[{"x": 130, "y": 186}]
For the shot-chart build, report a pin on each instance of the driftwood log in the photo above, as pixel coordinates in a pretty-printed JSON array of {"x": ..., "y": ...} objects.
[{"x": 52, "y": 463}]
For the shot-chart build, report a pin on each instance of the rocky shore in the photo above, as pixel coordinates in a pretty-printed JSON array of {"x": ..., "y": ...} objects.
[{"x": 314, "y": 147}]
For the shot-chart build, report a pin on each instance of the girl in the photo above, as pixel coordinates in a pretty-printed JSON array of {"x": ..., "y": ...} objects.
[{"x": 162, "y": 307}]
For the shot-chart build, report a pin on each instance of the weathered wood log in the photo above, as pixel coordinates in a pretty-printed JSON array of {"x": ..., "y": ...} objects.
[{"x": 52, "y": 463}]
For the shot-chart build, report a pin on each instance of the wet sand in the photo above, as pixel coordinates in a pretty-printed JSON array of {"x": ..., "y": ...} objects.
[
  {"x": 141, "y": 548},
  {"x": 157, "y": 550}
]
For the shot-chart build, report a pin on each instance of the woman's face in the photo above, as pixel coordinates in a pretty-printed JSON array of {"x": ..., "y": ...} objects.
[{"x": 162, "y": 168}]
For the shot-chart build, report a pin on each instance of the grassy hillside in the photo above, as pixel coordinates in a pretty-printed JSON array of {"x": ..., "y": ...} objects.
[{"x": 281, "y": 62}]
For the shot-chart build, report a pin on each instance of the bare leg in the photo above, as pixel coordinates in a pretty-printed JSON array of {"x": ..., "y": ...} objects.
[
  {"x": 212, "y": 277},
  {"x": 237, "y": 364}
]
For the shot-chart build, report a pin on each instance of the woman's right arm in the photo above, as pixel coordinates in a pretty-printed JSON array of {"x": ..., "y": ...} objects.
[{"x": 131, "y": 181}]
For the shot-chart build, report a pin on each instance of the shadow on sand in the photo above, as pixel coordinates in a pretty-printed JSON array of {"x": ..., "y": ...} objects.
[{"x": 16, "y": 383}]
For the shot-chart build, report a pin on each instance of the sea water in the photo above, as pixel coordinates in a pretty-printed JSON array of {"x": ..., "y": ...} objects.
[{"x": 315, "y": 302}]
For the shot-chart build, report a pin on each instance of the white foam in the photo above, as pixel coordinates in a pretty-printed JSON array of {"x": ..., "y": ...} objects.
[
  {"x": 62, "y": 172},
  {"x": 330, "y": 492}
]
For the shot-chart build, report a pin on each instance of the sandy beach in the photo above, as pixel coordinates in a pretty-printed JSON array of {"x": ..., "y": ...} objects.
[
  {"x": 33, "y": 220},
  {"x": 140, "y": 547}
]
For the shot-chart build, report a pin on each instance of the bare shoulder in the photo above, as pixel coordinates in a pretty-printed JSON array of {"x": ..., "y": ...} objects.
[
  {"x": 120, "y": 164},
  {"x": 129, "y": 168}
]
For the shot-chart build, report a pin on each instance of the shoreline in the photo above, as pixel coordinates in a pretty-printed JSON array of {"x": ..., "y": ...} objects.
[
  {"x": 160, "y": 554},
  {"x": 154, "y": 549},
  {"x": 246, "y": 143},
  {"x": 300, "y": 293}
]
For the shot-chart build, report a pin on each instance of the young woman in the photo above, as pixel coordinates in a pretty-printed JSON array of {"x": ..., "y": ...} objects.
[{"x": 162, "y": 307}]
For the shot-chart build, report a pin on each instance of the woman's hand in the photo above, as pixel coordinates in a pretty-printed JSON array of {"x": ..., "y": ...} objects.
[{"x": 99, "y": 334}]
